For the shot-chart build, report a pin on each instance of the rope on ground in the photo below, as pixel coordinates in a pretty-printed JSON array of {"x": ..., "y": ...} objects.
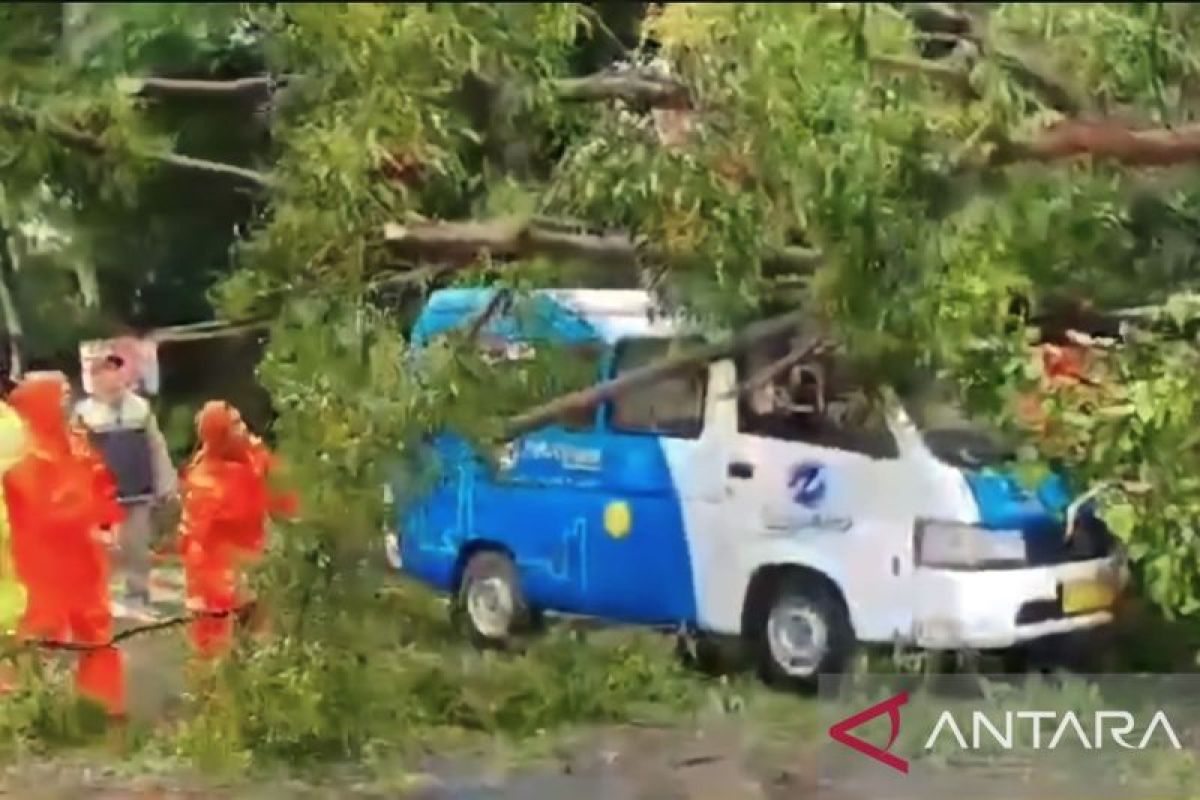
[{"x": 121, "y": 636}]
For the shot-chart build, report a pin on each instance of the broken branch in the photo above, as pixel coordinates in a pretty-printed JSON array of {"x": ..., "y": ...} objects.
[
  {"x": 776, "y": 368},
  {"x": 631, "y": 87},
  {"x": 652, "y": 373},
  {"x": 169, "y": 87},
  {"x": 499, "y": 300},
  {"x": 1157, "y": 147},
  {"x": 93, "y": 145},
  {"x": 463, "y": 242}
]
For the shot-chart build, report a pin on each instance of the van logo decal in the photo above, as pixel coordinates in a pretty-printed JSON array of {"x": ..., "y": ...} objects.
[
  {"x": 617, "y": 519},
  {"x": 807, "y": 482}
]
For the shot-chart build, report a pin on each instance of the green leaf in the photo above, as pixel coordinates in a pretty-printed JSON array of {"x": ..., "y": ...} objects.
[{"x": 1121, "y": 518}]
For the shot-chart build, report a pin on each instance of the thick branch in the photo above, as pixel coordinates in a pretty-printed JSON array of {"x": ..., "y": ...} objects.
[
  {"x": 631, "y": 87},
  {"x": 194, "y": 333},
  {"x": 1159, "y": 147},
  {"x": 463, "y": 242},
  {"x": 93, "y": 145},
  {"x": 216, "y": 167},
  {"x": 653, "y": 373},
  {"x": 172, "y": 87}
]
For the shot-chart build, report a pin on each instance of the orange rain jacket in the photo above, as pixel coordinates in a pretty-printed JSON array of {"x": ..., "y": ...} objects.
[
  {"x": 226, "y": 503},
  {"x": 60, "y": 497}
]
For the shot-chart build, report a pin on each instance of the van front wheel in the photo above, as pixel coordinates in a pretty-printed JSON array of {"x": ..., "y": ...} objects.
[
  {"x": 490, "y": 603},
  {"x": 803, "y": 633}
]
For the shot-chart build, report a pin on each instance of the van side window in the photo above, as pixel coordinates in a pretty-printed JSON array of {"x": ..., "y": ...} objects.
[
  {"x": 814, "y": 404},
  {"x": 554, "y": 368},
  {"x": 580, "y": 367},
  {"x": 671, "y": 407}
]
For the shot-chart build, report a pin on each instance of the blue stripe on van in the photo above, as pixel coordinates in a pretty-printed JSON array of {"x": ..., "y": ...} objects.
[
  {"x": 548, "y": 513},
  {"x": 1037, "y": 516},
  {"x": 548, "y": 509}
]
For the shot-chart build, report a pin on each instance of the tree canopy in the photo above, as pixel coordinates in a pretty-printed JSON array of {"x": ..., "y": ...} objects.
[{"x": 909, "y": 176}]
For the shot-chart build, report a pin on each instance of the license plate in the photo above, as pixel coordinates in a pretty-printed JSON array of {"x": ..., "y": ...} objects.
[{"x": 1080, "y": 597}]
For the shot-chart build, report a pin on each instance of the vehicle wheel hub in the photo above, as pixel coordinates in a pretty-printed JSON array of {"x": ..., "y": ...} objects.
[
  {"x": 798, "y": 638},
  {"x": 490, "y": 606}
]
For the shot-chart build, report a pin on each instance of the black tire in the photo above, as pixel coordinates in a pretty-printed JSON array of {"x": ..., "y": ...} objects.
[
  {"x": 490, "y": 578},
  {"x": 798, "y": 594}
]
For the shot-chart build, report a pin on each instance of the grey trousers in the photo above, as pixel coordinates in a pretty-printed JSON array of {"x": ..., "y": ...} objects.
[{"x": 134, "y": 558}]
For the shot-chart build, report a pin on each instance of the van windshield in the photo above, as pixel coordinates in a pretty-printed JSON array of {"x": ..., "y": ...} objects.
[{"x": 951, "y": 434}]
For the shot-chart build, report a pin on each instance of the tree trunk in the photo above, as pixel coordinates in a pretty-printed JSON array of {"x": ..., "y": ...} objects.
[{"x": 12, "y": 318}]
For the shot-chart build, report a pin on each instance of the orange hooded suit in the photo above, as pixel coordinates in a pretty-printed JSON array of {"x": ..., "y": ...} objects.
[
  {"x": 60, "y": 496},
  {"x": 226, "y": 502}
]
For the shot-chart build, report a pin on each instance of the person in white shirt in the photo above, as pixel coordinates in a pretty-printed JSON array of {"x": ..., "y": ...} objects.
[{"x": 122, "y": 427}]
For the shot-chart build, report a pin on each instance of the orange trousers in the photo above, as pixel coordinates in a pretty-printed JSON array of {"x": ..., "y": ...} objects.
[
  {"x": 215, "y": 595},
  {"x": 82, "y": 617}
]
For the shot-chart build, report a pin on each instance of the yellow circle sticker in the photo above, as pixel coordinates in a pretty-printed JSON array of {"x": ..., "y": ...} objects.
[{"x": 617, "y": 519}]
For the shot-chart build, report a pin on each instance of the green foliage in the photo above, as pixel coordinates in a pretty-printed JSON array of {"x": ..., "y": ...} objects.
[
  {"x": 42, "y": 713},
  {"x": 104, "y": 238},
  {"x": 396, "y": 680},
  {"x": 805, "y": 133},
  {"x": 801, "y": 137}
]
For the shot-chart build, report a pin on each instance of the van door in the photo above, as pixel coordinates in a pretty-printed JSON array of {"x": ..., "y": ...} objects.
[
  {"x": 638, "y": 560},
  {"x": 818, "y": 481},
  {"x": 543, "y": 499}
]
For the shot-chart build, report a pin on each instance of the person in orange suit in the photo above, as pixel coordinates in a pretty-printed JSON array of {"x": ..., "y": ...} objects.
[
  {"x": 226, "y": 502},
  {"x": 61, "y": 502}
]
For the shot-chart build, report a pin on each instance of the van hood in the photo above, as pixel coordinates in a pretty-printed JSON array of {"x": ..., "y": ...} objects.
[
  {"x": 1038, "y": 516},
  {"x": 1005, "y": 504}
]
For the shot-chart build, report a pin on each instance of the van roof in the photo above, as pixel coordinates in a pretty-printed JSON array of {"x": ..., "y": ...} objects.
[{"x": 569, "y": 315}]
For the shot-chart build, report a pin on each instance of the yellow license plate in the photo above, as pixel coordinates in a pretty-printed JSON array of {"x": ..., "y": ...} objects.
[{"x": 1080, "y": 597}]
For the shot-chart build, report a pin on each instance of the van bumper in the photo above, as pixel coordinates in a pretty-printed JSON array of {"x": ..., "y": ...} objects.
[{"x": 998, "y": 609}]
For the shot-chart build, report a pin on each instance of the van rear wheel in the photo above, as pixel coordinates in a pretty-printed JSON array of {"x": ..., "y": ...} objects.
[
  {"x": 490, "y": 603},
  {"x": 803, "y": 632}
]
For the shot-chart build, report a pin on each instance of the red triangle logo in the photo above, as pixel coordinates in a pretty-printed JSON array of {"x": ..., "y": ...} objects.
[{"x": 840, "y": 732}]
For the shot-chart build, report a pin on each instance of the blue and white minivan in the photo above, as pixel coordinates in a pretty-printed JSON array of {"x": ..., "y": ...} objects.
[{"x": 777, "y": 516}]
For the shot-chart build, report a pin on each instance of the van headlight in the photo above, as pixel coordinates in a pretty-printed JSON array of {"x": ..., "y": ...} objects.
[{"x": 955, "y": 545}]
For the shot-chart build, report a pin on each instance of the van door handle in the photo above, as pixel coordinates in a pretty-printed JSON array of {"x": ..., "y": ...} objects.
[{"x": 741, "y": 469}]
